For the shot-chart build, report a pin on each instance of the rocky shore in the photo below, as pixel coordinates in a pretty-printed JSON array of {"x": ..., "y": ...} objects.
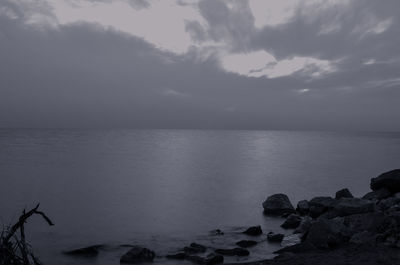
[{"x": 323, "y": 230}]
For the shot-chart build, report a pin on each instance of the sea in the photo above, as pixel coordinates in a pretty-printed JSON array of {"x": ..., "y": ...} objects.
[{"x": 163, "y": 189}]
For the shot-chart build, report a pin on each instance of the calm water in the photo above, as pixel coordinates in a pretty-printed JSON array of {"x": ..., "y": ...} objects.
[{"x": 166, "y": 188}]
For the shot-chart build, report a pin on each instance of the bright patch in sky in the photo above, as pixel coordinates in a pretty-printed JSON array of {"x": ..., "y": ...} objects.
[{"x": 264, "y": 64}]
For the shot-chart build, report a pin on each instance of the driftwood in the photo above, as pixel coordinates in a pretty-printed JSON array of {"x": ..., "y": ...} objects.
[{"x": 14, "y": 250}]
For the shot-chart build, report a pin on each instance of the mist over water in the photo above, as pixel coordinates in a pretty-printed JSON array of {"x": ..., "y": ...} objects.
[{"x": 166, "y": 188}]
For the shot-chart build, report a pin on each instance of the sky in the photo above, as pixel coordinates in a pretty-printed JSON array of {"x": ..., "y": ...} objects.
[{"x": 210, "y": 64}]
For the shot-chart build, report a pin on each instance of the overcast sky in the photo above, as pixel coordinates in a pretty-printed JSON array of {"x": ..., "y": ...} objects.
[{"x": 244, "y": 64}]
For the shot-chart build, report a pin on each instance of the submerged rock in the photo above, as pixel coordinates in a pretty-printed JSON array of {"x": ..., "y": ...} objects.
[
  {"x": 343, "y": 193},
  {"x": 253, "y": 231},
  {"x": 194, "y": 248},
  {"x": 179, "y": 256},
  {"x": 246, "y": 243},
  {"x": 278, "y": 204},
  {"x": 210, "y": 259},
  {"x": 233, "y": 252},
  {"x": 292, "y": 221},
  {"x": 275, "y": 237},
  {"x": 91, "y": 251},
  {"x": 138, "y": 255},
  {"x": 216, "y": 232},
  {"x": 389, "y": 180}
]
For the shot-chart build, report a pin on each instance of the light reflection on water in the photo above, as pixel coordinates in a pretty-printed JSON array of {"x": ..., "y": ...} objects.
[{"x": 166, "y": 188}]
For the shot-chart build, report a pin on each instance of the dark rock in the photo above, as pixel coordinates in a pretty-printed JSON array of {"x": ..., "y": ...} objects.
[
  {"x": 253, "y": 231},
  {"x": 91, "y": 251},
  {"x": 389, "y": 180},
  {"x": 319, "y": 205},
  {"x": 291, "y": 240},
  {"x": 233, "y": 252},
  {"x": 304, "y": 226},
  {"x": 377, "y": 195},
  {"x": 343, "y": 193},
  {"x": 180, "y": 256},
  {"x": 212, "y": 259},
  {"x": 364, "y": 237},
  {"x": 246, "y": 243},
  {"x": 303, "y": 207},
  {"x": 373, "y": 222},
  {"x": 138, "y": 255},
  {"x": 293, "y": 221},
  {"x": 194, "y": 248},
  {"x": 273, "y": 237},
  {"x": 216, "y": 232},
  {"x": 326, "y": 233},
  {"x": 209, "y": 260},
  {"x": 386, "y": 204},
  {"x": 278, "y": 204},
  {"x": 298, "y": 248},
  {"x": 349, "y": 206}
]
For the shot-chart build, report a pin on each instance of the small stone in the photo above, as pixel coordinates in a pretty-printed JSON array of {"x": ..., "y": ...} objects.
[
  {"x": 253, "y": 231},
  {"x": 246, "y": 243},
  {"x": 273, "y": 237},
  {"x": 233, "y": 252}
]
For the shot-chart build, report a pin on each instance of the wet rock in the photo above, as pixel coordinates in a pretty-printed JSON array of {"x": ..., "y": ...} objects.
[
  {"x": 246, "y": 243},
  {"x": 297, "y": 248},
  {"x": 91, "y": 251},
  {"x": 179, "y": 256},
  {"x": 233, "y": 252},
  {"x": 377, "y": 195},
  {"x": 343, "y": 193},
  {"x": 304, "y": 226},
  {"x": 275, "y": 237},
  {"x": 291, "y": 240},
  {"x": 293, "y": 221},
  {"x": 216, "y": 232},
  {"x": 321, "y": 204},
  {"x": 373, "y": 222},
  {"x": 138, "y": 255},
  {"x": 349, "y": 206},
  {"x": 303, "y": 207},
  {"x": 194, "y": 248},
  {"x": 364, "y": 237},
  {"x": 389, "y": 180},
  {"x": 278, "y": 204},
  {"x": 253, "y": 231},
  {"x": 212, "y": 259},
  {"x": 326, "y": 233},
  {"x": 387, "y": 203}
]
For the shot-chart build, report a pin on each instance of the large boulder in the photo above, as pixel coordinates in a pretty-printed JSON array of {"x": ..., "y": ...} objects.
[
  {"x": 343, "y": 193},
  {"x": 327, "y": 233},
  {"x": 138, "y": 255},
  {"x": 275, "y": 237},
  {"x": 246, "y": 243},
  {"x": 278, "y": 204},
  {"x": 377, "y": 195},
  {"x": 292, "y": 221},
  {"x": 389, "y": 180}
]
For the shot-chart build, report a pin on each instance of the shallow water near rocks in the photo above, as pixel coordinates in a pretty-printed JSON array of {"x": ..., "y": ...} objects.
[{"x": 164, "y": 189}]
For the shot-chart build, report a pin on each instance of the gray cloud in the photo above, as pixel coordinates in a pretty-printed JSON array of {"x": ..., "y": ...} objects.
[{"x": 83, "y": 75}]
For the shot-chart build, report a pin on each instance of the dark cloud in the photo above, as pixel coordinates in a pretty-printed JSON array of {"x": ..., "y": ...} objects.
[{"x": 83, "y": 75}]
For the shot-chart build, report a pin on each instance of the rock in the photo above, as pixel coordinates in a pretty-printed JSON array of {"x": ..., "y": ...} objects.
[
  {"x": 364, "y": 237},
  {"x": 326, "y": 233},
  {"x": 253, "y": 231},
  {"x": 387, "y": 203},
  {"x": 278, "y": 204},
  {"x": 208, "y": 260},
  {"x": 91, "y": 251},
  {"x": 349, "y": 206},
  {"x": 233, "y": 252},
  {"x": 272, "y": 237},
  {"x": 389, "y": 180},
  {"x": 343, "y": 193},
  {"x": 303, "y": 207},
  {"x": 293, "y": 221},
  {"x": 373, "y": 222},
  {"x": 138, "y": 255},
  {"x": 297, "y": 248},
  {"x": 179, "y": 256},
  {"x": 291, "y": 240},
  {"x": 319, "y": 205},
  {"x": 377, "y": 195},
  {"x": 304, "y": 226},
  {"x": 212, "y": 259},
  {"x": 216, "y": 232},
  {"x": 194, "y": 248},
  {"x": 246, "y": 243}
]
